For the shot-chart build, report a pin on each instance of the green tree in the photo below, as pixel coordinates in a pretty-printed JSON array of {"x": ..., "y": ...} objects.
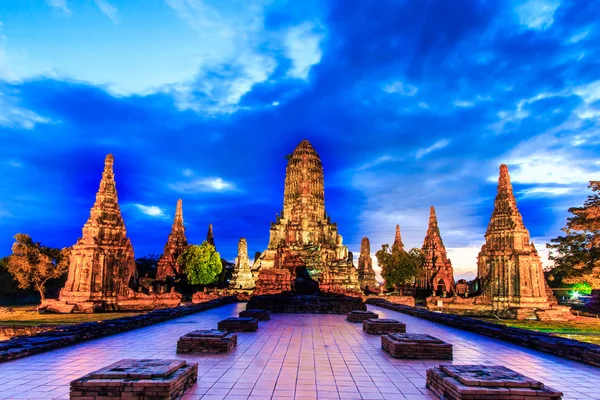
[
  {"x": 398, "y": 267},
  {"x": 576, "y": 255},
  {"x": 201, "y": 263},
  {"x": 32, "y": 264}
]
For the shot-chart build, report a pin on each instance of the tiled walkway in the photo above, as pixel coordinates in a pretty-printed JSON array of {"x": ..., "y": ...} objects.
[{"x": 291, "y": 356}]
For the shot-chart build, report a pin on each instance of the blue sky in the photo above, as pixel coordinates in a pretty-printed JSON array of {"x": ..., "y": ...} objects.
[{"x": 409, "y": 104}]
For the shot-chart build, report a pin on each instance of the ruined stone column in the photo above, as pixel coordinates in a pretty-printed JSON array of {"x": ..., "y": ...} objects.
[{"x": 242, "y": 274}]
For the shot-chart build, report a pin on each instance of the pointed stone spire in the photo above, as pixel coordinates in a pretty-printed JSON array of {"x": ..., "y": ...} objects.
[
  {"x": 506, "y": 215},
  {"x": 210, "y": 237},
  {"x": 437, "y": 273},
  {"x": 366, "y": 274},
  {"x": 398, "y": 240},
  {"x": 175, "y": 246},
  {"x": 508, "y": 264},
  {"x": 242, "y": 274},
  {"x": 102, "y": 261}
]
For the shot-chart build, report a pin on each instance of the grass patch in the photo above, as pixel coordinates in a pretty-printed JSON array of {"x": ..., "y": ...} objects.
[
  {"x": 26, "y": 315},
  {"x": 582, "y": 329}
]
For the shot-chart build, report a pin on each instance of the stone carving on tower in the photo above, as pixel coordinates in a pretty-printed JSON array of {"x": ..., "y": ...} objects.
[
  {"x": 436, "y": 274},
  {"x": 242, "y": 274},
  {"x": 303, "y": 236},
  {"x": 102, "y": 264},
  {"x": 175, "y": 246},
  {"x": 508, "y": 266},
  {"x": 366, "y": 274}
]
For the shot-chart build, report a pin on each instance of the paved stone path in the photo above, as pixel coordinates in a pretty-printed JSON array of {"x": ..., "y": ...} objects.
[{"x": 291, "y": 356}]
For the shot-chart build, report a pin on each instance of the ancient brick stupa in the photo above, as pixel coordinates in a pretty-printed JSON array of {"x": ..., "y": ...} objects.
[
  {"x": 366, "y": 274},
  {"x": 508, "y": 266},
  {"x": 303, "y": 240},
  {"x": 175, "y": 246},
  {"x": 436, "y": 274},
  {"x": 242, "y": 274},
  {"x": 102, "y": 263},
  {"x": 398, "y": 240}
]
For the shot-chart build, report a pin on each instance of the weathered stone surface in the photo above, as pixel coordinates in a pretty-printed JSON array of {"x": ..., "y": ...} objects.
[
  {"x": 205, "y": 295},
  {"x": 261, "y": 315},
  {"x": 242, "y": 274},
  {"x": 586, "y": 353},
  {"x": 379, "y": 326},
  {"x": 102, "y": 263},
  {"x": 273, "y": 281},
  {"x": 486, "y": 382},
  {"x": 137, "y": 379},
  {"x": 238, "y": 324},
  {"x": 22, "y": 346},
  {"x": 360, "y": 316},
  {"x": 436, "y": 275},
  {"x": 176, "y": 245},
  {"x": 207, "y": 341},
  {"x": 508, "y": 266},
  {"x": 416, "y": 346},
  {"x": 366, "y": 274},
  {"x": 303, "y": 237},
  {"x": 398, "y": 240},
  {"x": 210, "y": 236}
]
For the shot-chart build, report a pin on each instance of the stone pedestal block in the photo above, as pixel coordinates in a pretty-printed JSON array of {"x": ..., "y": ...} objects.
[
  {"x": 207, "y": 341},
  {"x": 238, "y": 325},
  {"x": 379, "y": 326},
  {"x": 413, "y": 345},
  {"x": 137, "y": 379},
  {"x": 360, "y": 316},
  {"x": 486, "y": 382},
  {"x": 261, "y": 315}
]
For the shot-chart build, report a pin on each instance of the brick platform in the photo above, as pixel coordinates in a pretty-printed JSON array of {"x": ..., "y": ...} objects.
[
  {"x": 238, "y": 325},
  {"x": 360, "y": 316},
  {"x": 414, "y": 345},
  {"x": 207, "y": 341},
  {"x": 379, "y": 326},
  {"x": 261, "y": 315},
  {"x": 486, "y": 382},
  {"x": 137, "y": 379}
]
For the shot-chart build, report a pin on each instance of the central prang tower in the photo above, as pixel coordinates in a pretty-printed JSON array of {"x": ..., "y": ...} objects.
[{"x": 303, "y": 236}]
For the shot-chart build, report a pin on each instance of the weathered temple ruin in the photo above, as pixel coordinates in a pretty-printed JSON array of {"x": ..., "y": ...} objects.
[
  {"x": 102, "y": 264},
  {"x": 303, "y": 239},
  {"x": 175, "y": 246},
  {"x": 508, "y": 266},
  {"x": 509, "y": 269},
  {"x": 398, "y": 240},
  {"x": 366, "y": 274},
  {"x": 436, "y": 274},
  {"x": 242, "y": 274}
]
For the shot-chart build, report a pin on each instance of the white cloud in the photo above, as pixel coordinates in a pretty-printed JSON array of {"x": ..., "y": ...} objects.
[
  {"x": 15, "y": 163},
  {"x": 537, "y": 14},
  {"x": 440, "y": 144},
  {"x": 108, "y": 9},
  {"x": 589, "y": 92},
  {"x": 302, "y": 46},
  {"x": 578, "y": 37},
  {"x": 401, "y": 88},
  {"x": 464, "y": 260},
  {"x": 378, "y": 161},
  {"x": 463, "y": 103},
  {"x": 203, "y": 185},
  {"x": 545, "y": 191},
  {"x": 14, "y": 116},
  {"x": 153, "y": 211},
  {"x": 60, "y": 4}
]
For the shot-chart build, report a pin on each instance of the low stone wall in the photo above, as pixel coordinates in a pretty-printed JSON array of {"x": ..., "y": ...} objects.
[
  {"x": 9, "y": 331},
  {"x": 586, "y": 353},
  {"x": 22, "y": 346},
  {"x": 323, "y": 304}
]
